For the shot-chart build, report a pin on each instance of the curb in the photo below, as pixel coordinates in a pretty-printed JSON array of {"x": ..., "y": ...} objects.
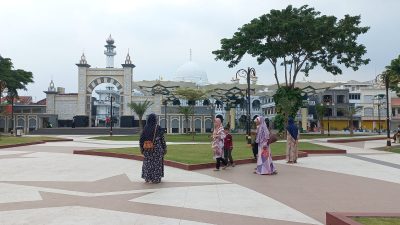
[
  {"x": 332, "y": 151},
  {"x": 176, "y": 164},
  {"x": 33, "y": 143}
]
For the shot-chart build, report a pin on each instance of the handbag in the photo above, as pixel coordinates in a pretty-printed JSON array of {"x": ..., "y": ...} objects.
[
  {"x": 272, "y": 138},
  {"x": 149, "y": 145}
]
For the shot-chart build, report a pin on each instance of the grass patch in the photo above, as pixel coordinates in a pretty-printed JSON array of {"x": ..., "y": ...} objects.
[
  {"x": 202, "y": 153},
  {"x": 377, "y": 220},
  {"x": 11, "y": 140},
  {"x": 169, "y": 137},
  {"x": 394, "y": 149},
  {"x": 206, "y": 137}
]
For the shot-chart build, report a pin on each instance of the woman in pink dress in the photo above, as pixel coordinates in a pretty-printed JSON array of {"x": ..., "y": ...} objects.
[
  {"x": 265, "y": 166},
  {"x": 217, "y": 144}
]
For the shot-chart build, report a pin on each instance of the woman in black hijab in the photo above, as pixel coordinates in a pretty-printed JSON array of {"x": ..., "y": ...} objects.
[{"x": 153, "y": 162}]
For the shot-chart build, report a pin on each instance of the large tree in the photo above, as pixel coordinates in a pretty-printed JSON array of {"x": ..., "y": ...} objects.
[
  {"x": 298, "y": 40},
  {"x": 393, "y": 73},
  {"x": 140, "y": 109},
  {"x": 11, "y": 79},
  {"x": 187, "y": 111}
]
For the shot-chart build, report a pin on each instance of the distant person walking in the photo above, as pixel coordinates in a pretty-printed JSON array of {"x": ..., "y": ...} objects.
[
  {"x": 265, "y": 166},
  {"x": 153, "y": 147},
  {"x": 217, "y": 144},
  {"x": 292, "y": 144},
  {"x": 228, "y": 147}
]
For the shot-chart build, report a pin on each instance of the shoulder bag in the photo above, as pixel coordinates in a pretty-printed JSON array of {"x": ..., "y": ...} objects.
[{"x": 149, "y": 145}]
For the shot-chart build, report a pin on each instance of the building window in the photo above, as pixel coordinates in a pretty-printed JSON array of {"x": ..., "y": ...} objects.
[
  {"x": 340, "y": 99},
  {"x": 354, "y": 96},
  {"x": 341, "y": 112},
  {"x": 328, "y": 98},
  {"x": 328, "y": 112}
]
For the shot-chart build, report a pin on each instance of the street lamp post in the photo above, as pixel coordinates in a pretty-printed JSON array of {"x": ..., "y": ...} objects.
[
  {"x": 379, "y": 117},
  {"x": 388, "y": 143},
  {"x": 385, "y": 78},
  {"x": 165, "y": 102},
  {"x": 249, "y": 74},
  {"x": 110, "y": 98},
  {"x": 330, "y": 103}
]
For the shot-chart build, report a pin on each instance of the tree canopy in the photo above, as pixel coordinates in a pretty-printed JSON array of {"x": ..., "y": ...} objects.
[
  {"x": 11, "y": 79},
  {"x": 393, "y": 73},
  {"x": 298, "y": 40},
  {"x": 190, "y": 94},
  {"x": 140, "y": 109}
]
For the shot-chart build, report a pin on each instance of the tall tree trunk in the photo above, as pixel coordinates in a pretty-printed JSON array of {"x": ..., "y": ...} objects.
[
  {"x": 351, "y": 127},
  {"x": 321, "y": 126},
  {"x": 187, "y": 124},
  {"x": 140, "y": 123},
  {"x": 193, "y": 128}
]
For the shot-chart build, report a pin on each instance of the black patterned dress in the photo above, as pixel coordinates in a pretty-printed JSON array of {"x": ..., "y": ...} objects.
[{"x": 153, "y": 162}]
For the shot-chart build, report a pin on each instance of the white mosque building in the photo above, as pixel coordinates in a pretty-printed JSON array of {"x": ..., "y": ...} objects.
[{"x": 84, "y": 110}]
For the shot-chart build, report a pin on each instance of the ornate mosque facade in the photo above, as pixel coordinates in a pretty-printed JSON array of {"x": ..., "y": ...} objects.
[{"x": 61, "y": 109}]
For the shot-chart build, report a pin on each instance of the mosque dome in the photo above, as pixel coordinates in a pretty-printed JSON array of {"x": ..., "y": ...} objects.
[{"x": 191, "y": 72}]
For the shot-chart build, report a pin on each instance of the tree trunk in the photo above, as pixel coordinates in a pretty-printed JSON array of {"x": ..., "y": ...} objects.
[
  {"x": 140, "y": 123},
  {"x": 193, "y": 129},
  {"x": 187, "y": 124},
  {"x": 351, "y": 127},
  {"x": 321, "y": 126}
]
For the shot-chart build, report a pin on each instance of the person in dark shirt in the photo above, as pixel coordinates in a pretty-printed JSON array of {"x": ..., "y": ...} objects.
[{"x": 228, "y": 147}]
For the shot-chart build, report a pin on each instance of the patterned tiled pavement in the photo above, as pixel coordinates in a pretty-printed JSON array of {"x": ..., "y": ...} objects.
[{"x": 46, "y": 184}]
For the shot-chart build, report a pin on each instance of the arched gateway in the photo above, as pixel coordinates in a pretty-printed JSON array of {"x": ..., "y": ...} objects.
[{"x": 89, "y": 78}]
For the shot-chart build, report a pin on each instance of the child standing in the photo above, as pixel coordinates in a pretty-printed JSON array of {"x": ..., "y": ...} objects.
[{"x": 228, "y": 147}]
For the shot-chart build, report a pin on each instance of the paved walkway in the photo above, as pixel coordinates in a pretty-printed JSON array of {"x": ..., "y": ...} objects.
[{"x": 46, "y": 184}]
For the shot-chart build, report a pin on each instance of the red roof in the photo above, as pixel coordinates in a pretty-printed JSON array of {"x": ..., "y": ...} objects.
[
  {"x": 21, "y": 100},
  {"x": 41, "y": 102}
]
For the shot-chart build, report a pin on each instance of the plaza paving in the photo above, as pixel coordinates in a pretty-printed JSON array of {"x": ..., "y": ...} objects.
[{"x": 46, "y": 184}]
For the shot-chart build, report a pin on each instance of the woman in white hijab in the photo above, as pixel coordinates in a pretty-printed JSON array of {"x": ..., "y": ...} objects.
[{"x": 265, "y": 166}]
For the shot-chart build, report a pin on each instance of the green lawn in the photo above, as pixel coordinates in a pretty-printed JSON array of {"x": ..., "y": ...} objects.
[
  {"x": 10, "y": 140},
  {"x": 201, "y": 153},
  {"x": 169, "y": 137},
  {"x": 206, "y": 137},
  {"x": 377, "y": 220},
  {"x": 394, "y": 149}
]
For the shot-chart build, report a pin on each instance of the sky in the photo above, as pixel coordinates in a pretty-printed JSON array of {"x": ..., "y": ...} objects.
[{"x": 48, "y": 37}]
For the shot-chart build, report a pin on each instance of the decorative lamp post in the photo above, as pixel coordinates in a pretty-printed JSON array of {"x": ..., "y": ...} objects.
[
  {"x": 111, "y": 99},
  {"x": 330, "y": 103},
  {"x": 250, "y": 75},
  {"x": 385, "y": 78}
]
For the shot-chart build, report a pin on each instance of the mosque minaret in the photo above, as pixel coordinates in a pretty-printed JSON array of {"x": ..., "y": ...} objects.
[{"x": 110, "y": 52}]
